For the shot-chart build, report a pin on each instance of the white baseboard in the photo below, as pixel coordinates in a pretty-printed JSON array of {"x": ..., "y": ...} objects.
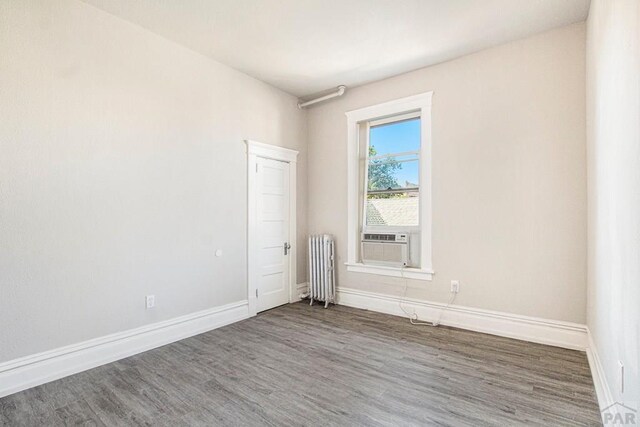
[
  {"x": 543, "y": 331},
  {"x": 603, "y": 391},
  {"x": 612, "y": 412},
  {"x": 19, "y": 374}
]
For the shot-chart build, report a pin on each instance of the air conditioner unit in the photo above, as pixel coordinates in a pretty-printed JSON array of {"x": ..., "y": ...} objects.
[{"x": 387, "y": 249}]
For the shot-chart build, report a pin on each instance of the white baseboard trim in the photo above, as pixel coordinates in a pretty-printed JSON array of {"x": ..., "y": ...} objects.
[
  {"x": 26, "y": 372},
  {"x": 538, "y": 330},
  {"x": 603, "y": 391}
]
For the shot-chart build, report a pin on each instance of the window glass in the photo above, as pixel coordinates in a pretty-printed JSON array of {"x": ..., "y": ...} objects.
[
  {"x": 393, "y": 174},
  {"x": 395, "y": 137},
  {"x": 398, "y": 211}
]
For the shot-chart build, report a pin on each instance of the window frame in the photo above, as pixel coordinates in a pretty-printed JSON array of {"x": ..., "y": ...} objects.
[
  {"x": 379, "y": 122},
  {"x": 420, "y": 104}
]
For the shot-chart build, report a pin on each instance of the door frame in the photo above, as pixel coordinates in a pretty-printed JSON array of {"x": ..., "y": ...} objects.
[{"x": 254, "y": 150}]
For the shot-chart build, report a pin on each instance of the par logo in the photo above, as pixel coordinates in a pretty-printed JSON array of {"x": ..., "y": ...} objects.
[{"x": 618, "y": 414}]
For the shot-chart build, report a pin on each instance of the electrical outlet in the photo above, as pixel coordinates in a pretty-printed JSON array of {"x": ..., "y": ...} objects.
[
  {"x": 150, "y": 301},
  {"x": 455, "y": 286},
  {"x": 621, "y": 366}
]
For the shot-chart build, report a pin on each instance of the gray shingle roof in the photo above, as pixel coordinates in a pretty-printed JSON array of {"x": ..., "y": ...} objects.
[{"x": 394, "y": 211}]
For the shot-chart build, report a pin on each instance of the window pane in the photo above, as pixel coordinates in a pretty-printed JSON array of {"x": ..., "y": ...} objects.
[
  {"x": 392, "y": 209},
  {"x": 395, "y": 137},
  {"x": 393, "y": 173}
]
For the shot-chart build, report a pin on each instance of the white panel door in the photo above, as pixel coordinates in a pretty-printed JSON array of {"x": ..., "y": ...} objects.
[{"x": 273, "y": 233}]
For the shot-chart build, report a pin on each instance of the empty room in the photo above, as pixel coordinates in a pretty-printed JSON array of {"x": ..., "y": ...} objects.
[{"x": 320, "y": 212}]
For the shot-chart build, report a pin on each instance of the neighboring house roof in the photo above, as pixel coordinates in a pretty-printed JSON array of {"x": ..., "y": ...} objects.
[{"x": 394, "y": 211}]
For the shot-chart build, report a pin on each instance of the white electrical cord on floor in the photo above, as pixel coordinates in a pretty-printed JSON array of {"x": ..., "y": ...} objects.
[{"x": 413, "y": 317}]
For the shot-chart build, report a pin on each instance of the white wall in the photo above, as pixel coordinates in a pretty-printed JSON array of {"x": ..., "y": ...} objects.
[
  {"x": 509, "y": 176},
  {"x": 122, "y": 170},
  {"x": 613, "y": 135}
]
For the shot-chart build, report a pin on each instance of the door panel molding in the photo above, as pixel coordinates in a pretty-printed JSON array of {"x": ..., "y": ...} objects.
[{"x": 256, "y": 150}]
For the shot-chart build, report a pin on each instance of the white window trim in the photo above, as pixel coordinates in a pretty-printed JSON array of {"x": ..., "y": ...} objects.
[{"x": 417, "y": 103}]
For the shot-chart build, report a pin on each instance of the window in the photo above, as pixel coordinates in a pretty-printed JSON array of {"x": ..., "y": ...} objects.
[
  {"x": 389, "y": 157},
  {"x": 392, "y": 193}
]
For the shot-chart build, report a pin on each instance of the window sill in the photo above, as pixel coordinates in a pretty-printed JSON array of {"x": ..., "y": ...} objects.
[{"x": 408, "y": 273}]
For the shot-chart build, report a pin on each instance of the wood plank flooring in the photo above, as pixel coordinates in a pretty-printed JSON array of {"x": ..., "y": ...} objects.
[{"x": 301, "y": 365}]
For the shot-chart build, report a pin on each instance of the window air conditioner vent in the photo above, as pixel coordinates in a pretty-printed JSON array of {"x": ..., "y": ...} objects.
[{"x": 387, "y": 249}]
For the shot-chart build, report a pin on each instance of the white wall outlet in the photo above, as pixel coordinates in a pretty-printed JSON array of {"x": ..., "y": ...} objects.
[
  {"x": 218, "y": 252},
  {"x": 621, "y": 366},
  {"x": 150, "y": 301},
  {"x": 455, "y": 286}
]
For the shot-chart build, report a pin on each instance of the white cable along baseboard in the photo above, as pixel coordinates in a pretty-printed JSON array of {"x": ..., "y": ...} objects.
[
  {"x": 302, "y": 289},
  {"x": 26, "y": 372},
  {"x": 543, "y": 331}
]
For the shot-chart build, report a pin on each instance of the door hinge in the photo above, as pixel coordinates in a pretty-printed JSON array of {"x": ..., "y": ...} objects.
[
  {"x": 256, "y": 167},
  {"x": 287, "y": 246},
  {"x": 256, "y": 293}
]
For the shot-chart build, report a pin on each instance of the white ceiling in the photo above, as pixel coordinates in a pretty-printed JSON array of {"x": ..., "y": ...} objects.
[{"x": 307, "y": 46}]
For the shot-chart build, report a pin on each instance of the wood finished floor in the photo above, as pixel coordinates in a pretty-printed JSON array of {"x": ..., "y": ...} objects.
[{"x": 301, "y": 365}]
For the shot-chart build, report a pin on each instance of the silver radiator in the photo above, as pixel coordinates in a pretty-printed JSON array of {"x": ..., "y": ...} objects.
[{"x": 322, "y": 274}]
